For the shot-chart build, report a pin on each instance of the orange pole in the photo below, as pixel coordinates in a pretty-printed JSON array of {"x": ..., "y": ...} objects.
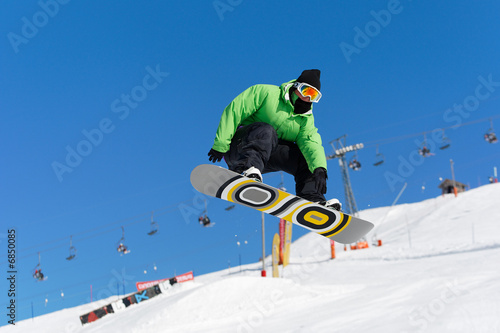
[{"x": 332, "y": 245}]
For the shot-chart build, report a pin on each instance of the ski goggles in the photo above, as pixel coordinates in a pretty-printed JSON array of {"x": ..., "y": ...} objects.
[{"x": 307, "y": 90}]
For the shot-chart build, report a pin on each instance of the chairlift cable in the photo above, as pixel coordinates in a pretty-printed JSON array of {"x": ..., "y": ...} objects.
[
  {"x": 408, "y": 136},
  {"x": 166, "y": 210}
]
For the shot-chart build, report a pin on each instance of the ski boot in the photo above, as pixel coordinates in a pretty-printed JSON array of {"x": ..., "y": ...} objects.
[
  {"x": 253, "y": 173},
  {"x": 332, "y": 204}
]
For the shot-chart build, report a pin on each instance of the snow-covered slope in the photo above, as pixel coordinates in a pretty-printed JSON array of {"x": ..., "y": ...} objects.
[{"x": 437, "y": 271}]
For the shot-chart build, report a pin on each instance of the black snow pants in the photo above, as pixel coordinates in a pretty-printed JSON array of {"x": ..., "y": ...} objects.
[{"x": 258, "y": 145}]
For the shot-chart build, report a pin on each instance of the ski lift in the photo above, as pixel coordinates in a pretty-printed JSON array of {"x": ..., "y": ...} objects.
[
  {"x": 354, "y": 163},
  {"x": 37, "y": 271},
  {"x": 281, "y": 185},
  {"x": 204, "y": 220},
  {"x": 154, "y": 226},
  {"x": 121, "y": 247},
  {"x": 445, "y": 142},
  {"x": 72, "y": 249},
  {"x": 424, "y": 150},
  {"x": 379, "y": 158},
  {"x": 490, "y": 135}
]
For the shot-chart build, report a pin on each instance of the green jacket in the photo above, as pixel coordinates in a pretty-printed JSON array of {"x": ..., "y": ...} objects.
[{"x": 271, "y": 104}]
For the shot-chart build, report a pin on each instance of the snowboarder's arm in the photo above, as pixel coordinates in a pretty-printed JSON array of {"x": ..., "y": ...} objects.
[
  {"x": 243, "y": 106},
  {"x": 310, "y": 144}
]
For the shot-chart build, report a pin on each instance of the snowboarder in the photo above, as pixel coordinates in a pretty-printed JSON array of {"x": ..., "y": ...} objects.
[{"x": 268, "y": 128}]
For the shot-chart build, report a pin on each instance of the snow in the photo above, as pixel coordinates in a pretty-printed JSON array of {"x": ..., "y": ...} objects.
[{"x": 437, "y": 271}]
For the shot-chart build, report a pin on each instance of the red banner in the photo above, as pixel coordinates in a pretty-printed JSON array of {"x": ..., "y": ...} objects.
[
  {"x": 282, "y": 240},
  {"x": 184, "y": 277},
  {"x": 179, "y": 278}
]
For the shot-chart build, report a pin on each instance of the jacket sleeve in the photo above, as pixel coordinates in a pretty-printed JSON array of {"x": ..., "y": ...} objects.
[
  {"x": 243, "y": 106},
  {"x": 310, "y": 144}
]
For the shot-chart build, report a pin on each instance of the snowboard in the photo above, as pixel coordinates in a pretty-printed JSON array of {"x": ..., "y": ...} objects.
[{"x": 227, "y": 185}]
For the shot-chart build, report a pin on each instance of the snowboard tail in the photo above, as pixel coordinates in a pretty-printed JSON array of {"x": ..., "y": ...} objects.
[{"x": 230, "y": 186}]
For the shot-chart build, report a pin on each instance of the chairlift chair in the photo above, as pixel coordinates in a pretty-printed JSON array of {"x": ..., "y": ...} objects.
[
  {"x": 204, "y": 220},
  {"x": 445, "y": 142},
  {"x": 424, "y": 150},
  {"x": 121, "y": 247},
  {"x": 354, "y": 163},
  {"x": 490, "y": 135},
  {"x": 154, "y": 226},
  {"x": 72, "y": 249},
  {"x": 37, "y": 271},
  {"x": 379, "y": 158}
]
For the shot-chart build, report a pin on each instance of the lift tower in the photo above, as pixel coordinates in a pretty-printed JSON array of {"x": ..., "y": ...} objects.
[{"x": 339, "y": 151}]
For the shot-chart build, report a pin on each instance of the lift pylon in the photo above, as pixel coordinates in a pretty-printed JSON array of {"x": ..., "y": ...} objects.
[{"x": 340, "y": 149}]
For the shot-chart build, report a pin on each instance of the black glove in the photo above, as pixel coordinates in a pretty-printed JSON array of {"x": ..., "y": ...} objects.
[
  {"x": 215, "y": 156},
  {"x": 320, "y": 178}
]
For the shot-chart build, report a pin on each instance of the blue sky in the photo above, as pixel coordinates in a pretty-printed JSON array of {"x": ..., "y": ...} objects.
[{"x": 137, "y": 89}]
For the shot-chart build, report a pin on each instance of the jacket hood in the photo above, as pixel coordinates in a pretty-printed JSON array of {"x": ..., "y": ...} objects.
[{"x": 285, "y": 95}]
